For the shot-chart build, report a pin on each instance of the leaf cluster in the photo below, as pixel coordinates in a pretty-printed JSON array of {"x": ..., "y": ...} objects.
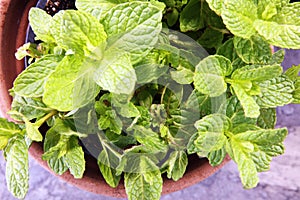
[{"x": 108, "y": 80}]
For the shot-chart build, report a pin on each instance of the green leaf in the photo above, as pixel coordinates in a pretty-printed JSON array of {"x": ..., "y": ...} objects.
[
  {"x": 147, "y": 186},
  {"x": 293, "y": 72},
  {"x": 210, "y": 136},
  {"x": 277, "y": 57},
  {"x": 251, "y": 108},
  {"x": 110, "y": 120},
  {"x": 263, "y": 137},
  {"x": 213, "y": 123},
  {"x": 150, "y": 69},
  {"x": 262, "y": 155},
  {"x": 138, "y": 159},
  {"x": 190, "y": 17},
  {"x": 211, "y": 38},
  {"x": 8, "y": 128},
  {"x": 32, "y": 131},
  {"x": 68, "y": 87},
  {"x": 40, "y": 23},
  {"x": 215, "y": 5},
  {"x": 235, "y": 112},
  {"x": 275, "y": 92},
  {"x": 31, "y": 108},
  {"x": 254, "y": 50},
  {"x": 238, "y": 16},
  {"x": 267, "y": 118},
  {"x": 149, "y": 138},
  {"x": 176, "y": 165},
  {"x": 115, "y": 72},
  {"x": 17, "y": 174},
  {"x": 216, "y": 157},
  {"x": 210, "y": 74},
  {"x": 257, "y": 72},
  {"x": 77, "y": 31},
  {"x": 227, "y": 50},
  {"x": 108, "y": 160},
  {"x": 97, "y": 8},
  {"x": 133, "y": 27},
  {"x": 56, "y": 163},
  {"x": 74, "y": 158},
  {"x": 246, "y": 165},
  {"x": 172, "y": 17},
  {"x": 266, "y": 9},
  {"x": 285, "y": 31},
  {"x": 31, "y": 82},
  {"x": 182, "y": 75},
  {"x": 253, "y": 150}
]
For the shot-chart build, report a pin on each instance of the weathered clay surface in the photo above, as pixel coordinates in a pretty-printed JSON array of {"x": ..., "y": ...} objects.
[{"x": 282, "y": 182}]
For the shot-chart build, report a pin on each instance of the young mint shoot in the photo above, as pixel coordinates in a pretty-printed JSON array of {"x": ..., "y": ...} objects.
[{"x": 111, "y": 77}]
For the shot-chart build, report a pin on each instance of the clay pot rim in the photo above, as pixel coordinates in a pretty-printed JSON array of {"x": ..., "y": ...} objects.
[{"x": 13, "y": 25}]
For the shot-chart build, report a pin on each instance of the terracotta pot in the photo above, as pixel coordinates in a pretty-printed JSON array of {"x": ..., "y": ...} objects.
[{"x": 13, "y": 25}]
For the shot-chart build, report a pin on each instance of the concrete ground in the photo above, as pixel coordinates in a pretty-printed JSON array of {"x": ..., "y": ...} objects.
[{"x": 282, "y": 182}]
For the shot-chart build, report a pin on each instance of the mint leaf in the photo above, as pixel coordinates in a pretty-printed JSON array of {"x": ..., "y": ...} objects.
[
  {"x": 77, "y": 31},
  {"x": 146, "y": 186},
  {"x": 216, "y": 157},
  {"x": 31, "y": 108},
  {"x": 74, "y": 158},
  {"x": 210, "y": 136},
  {"x": 251, "y": 108},
  {"x": 7, "y": 130},
  {"x": 235, "y": 112},
  {"x": 40, "y": 22},
  {"x": 115, "y": 72},
  {"x": 285, "y": 31},
  {"x": 17, "y": 174},
  {"x": 97, "y": 8},
  {"x": 263, "y": 137},
  {"x": 110, "y": 120},
  {"x": 275, "y": 92},
  {"x": 150, "y": 68},
  {"x": 190, "y": 17},
  {"x": 215, "y": 5},
  {"x": 31, "y": 82},
  {"x": 254, "y": 50},
  {"x": 210, "y": 74},
  {"x": 176, "y": 165},
  {"x": 246, "y": 165},
  {"x": 266, "y": 9},
  {"x": 108, "y": 160},
  {"x": 133, "y": 27},
  {"x": 253, "y": 151},
  {"x": 149, "y": 138},
  {"x": 267, "y": 118},
  {"x": 68, "y": 88},
  {"x": 257, "y": 72},
  {"x": 182, "y": 75},
  {"x": 56, "y": 163},
  {"x": 32, "y": 131},
  {"x": 227, "y": 50},
  {"x": 238, "y": 16},
  {"x": 292, "y": 74},
  {"x": 211, "y": 38}
]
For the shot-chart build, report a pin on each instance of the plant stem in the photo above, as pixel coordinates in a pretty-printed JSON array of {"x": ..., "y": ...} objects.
[{"x": 45, "y": 118}]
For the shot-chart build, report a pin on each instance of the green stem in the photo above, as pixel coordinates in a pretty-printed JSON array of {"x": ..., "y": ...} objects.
[
  {"x": 224, "y": 30},
  {"x": 45, "y": 118}
]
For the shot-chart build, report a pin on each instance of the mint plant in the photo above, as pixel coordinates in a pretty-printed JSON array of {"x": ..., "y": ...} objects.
[{"x": 140, "y": 98}]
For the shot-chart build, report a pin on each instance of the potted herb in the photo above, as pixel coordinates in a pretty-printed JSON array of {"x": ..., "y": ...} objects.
[{"x": 109, "y": 79}]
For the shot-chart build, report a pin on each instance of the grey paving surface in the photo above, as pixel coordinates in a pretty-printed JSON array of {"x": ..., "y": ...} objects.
[{"x": 282, "y": 182}]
